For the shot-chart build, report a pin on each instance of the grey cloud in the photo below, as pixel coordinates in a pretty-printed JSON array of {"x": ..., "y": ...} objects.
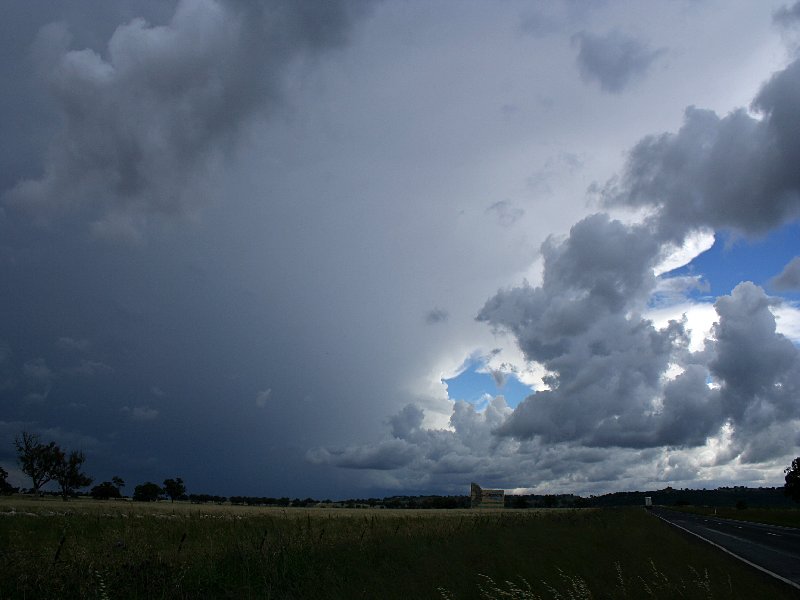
[
  {"x": 388, "y": 455},
  {"x": 505, "y": 212},
  {"x": 789, "y": 278},
  {"x": 670, "y": 290},
  {"x": 499, "y": 377},
  {"x": 140, "y": 413},
  {"x": 759, "y": 368},
  {"x": 787, "y": 16},
  {"x": 764, "y": 445},
  {"x": 734, "y": 172},
  {"x": 407, "y": 421},
  {"x": 614, "y": 60},
  {"x": 284, "y": 281},
  {"x": 72, "y": 344},
  {"x": 263, "y": 397},
  {"x": 691, "y": 411},
  {"x": 89, "y": 368},
  {"x": 443, "y": 457},
  {"x": 141, "y": 120},
  {"x": 596, "y": 272},
  {"x": 607, "y": 365},
  {"x": 436, "y": 315},
  {"x": 419, "y": 452},
  {"x": 547, "y": 18},
  {"x": 37, "y": 370},
  {"x": 565, "y": 164},
  {"x": 5, "y": 352}
]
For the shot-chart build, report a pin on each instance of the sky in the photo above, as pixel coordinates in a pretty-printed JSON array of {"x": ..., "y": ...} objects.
[{"x": 363, "y": 248}]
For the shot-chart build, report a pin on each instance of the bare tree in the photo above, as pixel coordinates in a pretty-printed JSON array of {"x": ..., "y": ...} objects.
[{"x": 36, "y": 460}]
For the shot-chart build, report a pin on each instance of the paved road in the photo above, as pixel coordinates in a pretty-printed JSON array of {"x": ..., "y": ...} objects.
[{"x": 770, "y": 547}]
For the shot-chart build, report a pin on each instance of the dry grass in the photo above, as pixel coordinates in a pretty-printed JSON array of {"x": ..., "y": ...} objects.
[{"x": 90, "y": 549}]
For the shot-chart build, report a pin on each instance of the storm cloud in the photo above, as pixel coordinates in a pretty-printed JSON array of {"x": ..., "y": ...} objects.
[
  {"x": 321, "y": 198},
  {"x": 143, "y": 119}
]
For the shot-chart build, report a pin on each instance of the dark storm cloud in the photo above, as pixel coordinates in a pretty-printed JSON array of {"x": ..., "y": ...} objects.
[
  {"x": 736, "y": 171},
  {"x": 281, "y": 320},
  {"x": 145, "y": 116},
  {"x": 788, "y": 279},
  {"x": 614, "y": 60}
]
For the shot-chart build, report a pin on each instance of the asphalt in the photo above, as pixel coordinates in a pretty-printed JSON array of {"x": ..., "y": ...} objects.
[{"x": 770, "y": 548}]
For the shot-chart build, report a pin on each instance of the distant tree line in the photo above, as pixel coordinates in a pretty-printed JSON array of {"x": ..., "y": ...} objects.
[
  {"x": 47, "y": 462},
  {"x": 174, "y": 489}
]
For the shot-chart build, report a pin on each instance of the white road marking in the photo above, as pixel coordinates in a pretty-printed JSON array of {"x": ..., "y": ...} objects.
[{"x": 741, "y": 558}]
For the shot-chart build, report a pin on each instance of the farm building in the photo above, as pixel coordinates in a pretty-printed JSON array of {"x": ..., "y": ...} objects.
[{"x": 481, "y": 498}]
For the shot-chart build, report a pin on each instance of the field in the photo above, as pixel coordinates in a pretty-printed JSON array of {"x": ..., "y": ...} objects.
[{"x": 97, "y": 549}]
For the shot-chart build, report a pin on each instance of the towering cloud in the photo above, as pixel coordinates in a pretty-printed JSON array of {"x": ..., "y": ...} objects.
[{"x": 606, "y": 363}]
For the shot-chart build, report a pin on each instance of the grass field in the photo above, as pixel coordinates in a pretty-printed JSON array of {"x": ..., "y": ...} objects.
[
  {"x": 96, "y": 549},
  {"x": 788, "y": 517}
]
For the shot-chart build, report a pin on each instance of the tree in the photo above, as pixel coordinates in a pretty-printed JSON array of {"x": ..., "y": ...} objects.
[
  {"x": 119, "y": 483},
  {"x": 147, "y": 492},
  {"x": 174, "y": 488},
  {"x": 792, "y": 486},
  {"x": 518, "y": 501},
  {"x": 67, "y": 472},
  {"x": 5, "y": 487},
  {"x": 104, "y": 491},
  {"x": 36, "y": 460}
]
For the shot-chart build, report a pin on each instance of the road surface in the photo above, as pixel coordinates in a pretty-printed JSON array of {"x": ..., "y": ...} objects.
[{"x": 770, "y": 548}]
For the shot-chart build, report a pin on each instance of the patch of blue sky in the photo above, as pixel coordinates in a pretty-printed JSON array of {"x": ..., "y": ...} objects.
[
  {"x": 732, "y": 260},
  {"x": 475, "y": 381}
]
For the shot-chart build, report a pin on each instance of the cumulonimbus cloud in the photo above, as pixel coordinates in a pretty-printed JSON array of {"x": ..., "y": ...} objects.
[{"x": 615, "y": 380}]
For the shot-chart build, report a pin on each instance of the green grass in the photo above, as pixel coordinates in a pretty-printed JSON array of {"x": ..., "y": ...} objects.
[
  {"x": 89, "y": 549},
  {"x": 787, "y": 517}
]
